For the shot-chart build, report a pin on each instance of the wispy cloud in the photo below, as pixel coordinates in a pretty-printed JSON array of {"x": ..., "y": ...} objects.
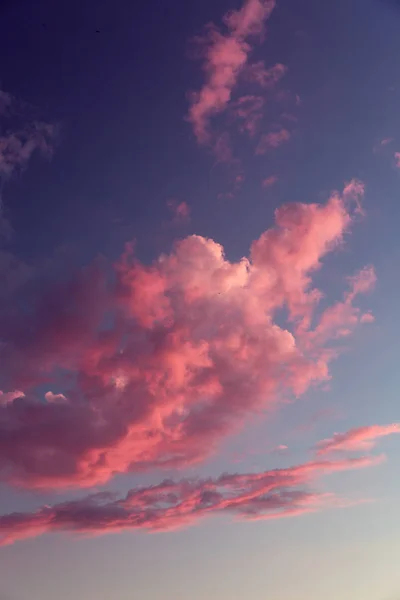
[
  {"x": 248, "y": 110},
  {"x": 174, "y": 504},
  {"x": 357, "y": 439},
  {"x": 269, "y": 181},
  {"x": 225, "y": 56},
  {"x": 272, "y": 140},
  {"x": 180, "y": 210},
  {"x": 17, "y": 147},
  {"x": 263, "y": 76},
  {"x": 22, "y": 136}
]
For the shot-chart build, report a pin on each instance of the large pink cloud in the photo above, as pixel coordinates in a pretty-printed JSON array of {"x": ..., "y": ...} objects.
[
  {"x": 357, "y": 439},
  {"x": 225, "y": 56},
  {"x": 153, "y": 365},
  {"x": 172, "y": 504}
]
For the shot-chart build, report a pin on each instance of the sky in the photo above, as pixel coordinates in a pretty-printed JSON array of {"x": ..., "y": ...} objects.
[{"x": 199, "y": 208}]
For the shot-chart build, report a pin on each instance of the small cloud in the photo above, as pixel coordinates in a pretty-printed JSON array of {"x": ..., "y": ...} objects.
[
  {"x": 248, "y": 110},
  {"x": 367, "y": 318},
  {"x": 272, "y": 140},
  {"x": 180, "y": 210},
  {"x": 386, "y": 141},
  {"x": 266, "y": 78},
  {"x": 54, "y": 398},
  {"x": 397, "y": 159},
  {"x": 358, "y": 439},
  {"x": 9, "y": 397},
  {"x": 269, "y": 181},
  {"x": 17, "y": 147},
  {"x": 382, "y": 144}
]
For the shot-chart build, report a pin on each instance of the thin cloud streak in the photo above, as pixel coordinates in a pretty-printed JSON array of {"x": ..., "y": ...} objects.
[
  {"x": 357, "y": 439},
  {"x": 174, "y": 504}
]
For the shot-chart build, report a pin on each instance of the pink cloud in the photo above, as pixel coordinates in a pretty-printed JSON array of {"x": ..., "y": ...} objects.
[
  {"x": 340, "y": 319},
  {"x": 248, "y": 109},
  {"x": 367, "y": 318},
  {"x": 9, "y": 397},
  {"x": 266, "y": 78},
  {"x": 51, "y": 397},
  {"x": 225, "y": 56},
  {"x": 358, "y": 439},
  {"x": 180, "y": 210},
  {"x": 269, "y": 181},
  {"x": 272, "y": 140},
  {"x": 174, "y": 504},
  {"x": 397, "y": 159},
  {"x": 386, "y": 141},
  {"x": 161, "y": 362}
]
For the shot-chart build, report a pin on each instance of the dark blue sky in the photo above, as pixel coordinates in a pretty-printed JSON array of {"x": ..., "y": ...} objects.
[{"x": 121, "y": 96}]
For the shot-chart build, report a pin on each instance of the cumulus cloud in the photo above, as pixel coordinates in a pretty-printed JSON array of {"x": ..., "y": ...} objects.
[
  {"x": 158, "y": 363},
  {"x": 173, "y": 504},
  {"x": 357, "y": 439},
  {"x": 225, "y": 56}
]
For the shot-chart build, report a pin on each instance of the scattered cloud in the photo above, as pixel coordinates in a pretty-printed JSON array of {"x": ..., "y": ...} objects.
[
  {"x": 22, "y": 136},
  {"x": 159, "y": 363},
  {"x": 269, "y": 181},
  {"x": 358, "y": 439},
  {"x": 397, "y": 159},
  {"x": 17, "y": 147},
  {"x": 386, "y": 141},
  {"x": 225, "y": 56},
  {"x": 265, "y": 78},
  {"x": 248, "y": 110},
  {"x": 382, "y": 144},
  {"x": 9, "y": 397},
  {"x": 272, "y": 140},
  {"x": 174, "y": 504},
  {"x": 180, "y": 210}
]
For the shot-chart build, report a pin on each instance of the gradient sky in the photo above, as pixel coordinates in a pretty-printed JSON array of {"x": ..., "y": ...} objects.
[{"x": 199, "y": 289}]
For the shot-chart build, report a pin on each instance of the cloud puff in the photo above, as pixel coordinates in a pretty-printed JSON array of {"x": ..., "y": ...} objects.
[
  {"x": 264, "y": 77},
  {"x": 9, "y": 397},
  {"x": 358, "y": 439},
  {"x": 157, "y": 363},
  {"x": 22, "y": 135},
  {"x": 173, "y": 504},
  {"x": 269, "y": 181},
  {"x": 17, "y": 147},
  {"x": 225, "y": 56},
  {"x": 180, "y": 210},
  {"x": 272, "y": 140},
  {"x": 248, "y": 110}
]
